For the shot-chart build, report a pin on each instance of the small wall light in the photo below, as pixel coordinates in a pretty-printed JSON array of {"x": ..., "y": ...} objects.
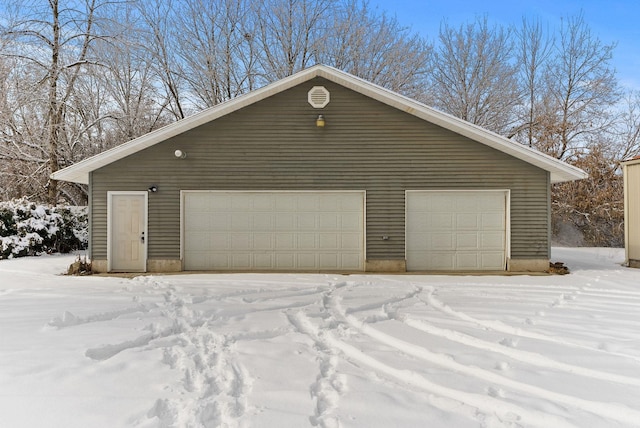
[
  {"x": 153, "y": 188},
  {"x": 180, "y": 154},
  {"x": 320, "y": 121}
]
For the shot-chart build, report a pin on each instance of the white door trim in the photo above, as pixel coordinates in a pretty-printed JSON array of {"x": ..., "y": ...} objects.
[
  {"x": 507, "y": 195},
  {"x": 182, "y": 211},
  {"x": 110, "y": 195}
]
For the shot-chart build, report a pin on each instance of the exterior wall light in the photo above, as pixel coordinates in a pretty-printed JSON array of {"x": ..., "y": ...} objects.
[
  {"x": 153, "y": 188},
  {"x": 180, "y": 154},
  {"x": 320, "y": 121}
]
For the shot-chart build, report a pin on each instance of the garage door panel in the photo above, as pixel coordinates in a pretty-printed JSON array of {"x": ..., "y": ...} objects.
[
  {"x": 202, "y": 241},
  {"x": 285, "y": 221},
  {"x": 217, "y": 241},
  {"x": 444, "y": 261},
  {"x": 238, "y": 203},
  {"x": 285, "y": 261},
  {"x": 328, "y": 261},
  {"x": 328, "y": 221},
  {"x": 456, "y": 230},
  {"x": 216, "y": 222},
  {"x": 241, "y": 221},
  {"x": 274, "y": 230},
  {"x": 262, "y": 241},
  {"x": 491, "y": 202},
  {"x": 493, "y": 241},
  {"x": 467, "y": 261},
  {"x": 306, "y": 221},
  {"x": 351, "y": 241},
  {"x": 240, "y": 260},
  {"x": 440, "y": 221},
  {"x": 329, "y": 241},
  {"x": 465, "y": 204},
  {"x": 436, "y": 241},
  {"x": 493, "y": 221},
  {"x": 469, "y": 221},
  {"x": 308, "y": 202},
  {"x": 307, "y": 241},
  {"x": 306, "y": 260},
  {"x": 240, "y": 241},
  {"x": 466, "y": 241},
  {"x": 351, "y": 222},
  {"x": 491, "y": 259},
  {"x": 263, "y": 221},
  {"x": 285, "y": 241},
  {"x": 263, "y": 203},
  {"x": 263, "y": 261}
]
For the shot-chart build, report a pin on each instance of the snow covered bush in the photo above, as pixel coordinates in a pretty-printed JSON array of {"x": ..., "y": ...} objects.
[{"x": 27, "y": 228}]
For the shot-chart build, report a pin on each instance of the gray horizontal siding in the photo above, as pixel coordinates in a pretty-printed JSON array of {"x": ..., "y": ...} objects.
[{"x": 275, "y": 145}]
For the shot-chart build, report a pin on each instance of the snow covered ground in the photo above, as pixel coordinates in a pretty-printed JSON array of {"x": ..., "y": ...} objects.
[{"x": 297, "y": 350}]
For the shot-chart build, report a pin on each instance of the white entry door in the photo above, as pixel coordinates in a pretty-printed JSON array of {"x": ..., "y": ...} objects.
[
  {"x": 127, "y": 229},
  {"x": 457, "y": 230},
  {"x": 270, "y": 230}
]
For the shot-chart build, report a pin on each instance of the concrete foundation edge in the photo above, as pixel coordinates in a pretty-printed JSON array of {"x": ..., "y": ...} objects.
[
  {"x": 634, "y": 263},
  {"x": 513, "y": 265},
  {"x": 153, "y": 265},
  {"x": 528, "y": 265},
  {"x": 385, "y": 266}
]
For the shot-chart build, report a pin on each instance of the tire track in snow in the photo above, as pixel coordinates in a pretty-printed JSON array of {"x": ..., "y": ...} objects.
[
  {"x": 607, "y": 410},
  {"x": 485, "y": 404},
  {"x": 526, "y": 357},
  {"x": 515, "y": 331},
  {"x": 387, "y": 305},
  {"x": 530, "y": 358}
]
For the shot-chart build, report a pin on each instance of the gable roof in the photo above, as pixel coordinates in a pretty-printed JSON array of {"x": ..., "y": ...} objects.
[{"x": 559, "y": 171}]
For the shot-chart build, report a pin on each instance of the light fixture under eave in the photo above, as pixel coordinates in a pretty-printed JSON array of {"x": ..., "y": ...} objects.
[
  {"x": 180, "y": 154},
  {"x": 153, "y": 188},
  {"x": 320, "y": 121}
]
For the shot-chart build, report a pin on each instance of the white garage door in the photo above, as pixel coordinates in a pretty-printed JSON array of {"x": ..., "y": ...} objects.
[
  {"x": 273, "y": 230},
  {"x": 456, "y": 230}
]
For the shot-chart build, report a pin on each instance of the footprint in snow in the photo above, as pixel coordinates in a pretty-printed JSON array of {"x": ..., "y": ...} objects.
[
  {"x": 509, "y": 342},
  {"x": 495, "y": 392}
]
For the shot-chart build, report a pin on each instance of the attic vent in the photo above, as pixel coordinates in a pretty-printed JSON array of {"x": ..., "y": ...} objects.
[{"x": 318, "y": 97}]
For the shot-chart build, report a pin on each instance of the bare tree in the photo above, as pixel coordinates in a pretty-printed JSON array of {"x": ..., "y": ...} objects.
[
  {"x": 376, "y": 48},
  {"x": 135, "y": 104},
  {"x": 55, "y": 41},
  {"x": 534, "y": 51},
  {"x": 160, "y": 39},
  {"x": 473, "y": 75},
  {"x": 217, "y": 49},
  {"x": 628, "y": 129},
  {"x": 290, "y": 33},
  {"x": 582, "y": 88}
]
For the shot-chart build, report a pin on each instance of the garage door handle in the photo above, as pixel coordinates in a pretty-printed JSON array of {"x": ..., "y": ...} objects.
[{"x": 142, "y": 238}]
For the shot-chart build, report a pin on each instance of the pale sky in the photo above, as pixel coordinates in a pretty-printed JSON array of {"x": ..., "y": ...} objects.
[{"x": 612, "y": 21}]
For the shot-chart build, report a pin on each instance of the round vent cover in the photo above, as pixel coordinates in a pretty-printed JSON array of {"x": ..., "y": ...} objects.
[{"x": 318, "y": 97}]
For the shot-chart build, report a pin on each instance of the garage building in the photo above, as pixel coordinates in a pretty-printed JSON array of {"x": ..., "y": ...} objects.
[{"x": 321, "y": 171}]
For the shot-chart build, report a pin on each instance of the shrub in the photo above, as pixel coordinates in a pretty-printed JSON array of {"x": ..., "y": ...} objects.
[{"x": 27, "y": 228}]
